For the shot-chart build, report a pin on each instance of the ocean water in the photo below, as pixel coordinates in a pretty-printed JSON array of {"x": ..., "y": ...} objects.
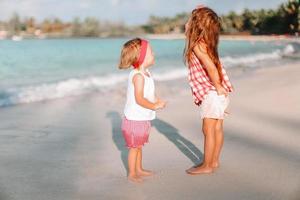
[{"x": 38, "y": 70}]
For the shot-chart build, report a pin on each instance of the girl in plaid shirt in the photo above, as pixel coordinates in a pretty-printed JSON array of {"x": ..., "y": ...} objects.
[{"x": 209, "y": 83}]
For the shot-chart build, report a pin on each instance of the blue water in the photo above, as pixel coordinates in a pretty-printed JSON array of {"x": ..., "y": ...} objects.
[{"x": 75, "y": 66}]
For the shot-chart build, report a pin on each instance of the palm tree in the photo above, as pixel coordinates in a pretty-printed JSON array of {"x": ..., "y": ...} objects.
[{"x": 292, "y": 15}]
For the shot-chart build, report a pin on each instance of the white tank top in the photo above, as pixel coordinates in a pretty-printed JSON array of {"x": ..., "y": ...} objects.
[{"x": 132, "y": 110}]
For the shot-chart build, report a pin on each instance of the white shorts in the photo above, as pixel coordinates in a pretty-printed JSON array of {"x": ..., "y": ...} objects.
[{"x": 214, "y": 106}]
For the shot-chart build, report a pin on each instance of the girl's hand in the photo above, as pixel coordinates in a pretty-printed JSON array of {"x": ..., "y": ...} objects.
[
  {"x": 221, "y": 91},
  {"x": 160, "y": 104}
]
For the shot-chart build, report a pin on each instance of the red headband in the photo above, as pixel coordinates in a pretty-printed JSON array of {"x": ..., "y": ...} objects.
[{"x": 143, "y": 51}]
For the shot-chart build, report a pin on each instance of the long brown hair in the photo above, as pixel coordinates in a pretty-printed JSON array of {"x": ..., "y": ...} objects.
[
  {"x": 130, "y": 53},
  {"x": 204, "y": 27}
]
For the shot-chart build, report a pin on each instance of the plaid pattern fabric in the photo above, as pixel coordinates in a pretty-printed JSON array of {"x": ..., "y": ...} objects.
[{"x": 200, "y": 82}]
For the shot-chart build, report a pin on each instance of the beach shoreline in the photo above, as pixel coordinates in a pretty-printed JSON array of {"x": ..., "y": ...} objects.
[
  {"x": 287, "y": 38},
  {"x": 181, "y": 36}
]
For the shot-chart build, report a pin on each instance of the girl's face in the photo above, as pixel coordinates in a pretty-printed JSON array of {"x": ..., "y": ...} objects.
[
  {"x": 149, "y": 58},
  {"x": 187, "y": 26}
]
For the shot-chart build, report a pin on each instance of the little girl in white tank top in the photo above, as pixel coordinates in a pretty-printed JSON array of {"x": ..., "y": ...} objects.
[{"x": 141, "y": 104}]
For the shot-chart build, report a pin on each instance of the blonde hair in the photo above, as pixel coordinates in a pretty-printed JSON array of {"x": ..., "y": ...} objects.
[
  {"x": 130, "y": 53},
  {"x": 205, "y": 26}
]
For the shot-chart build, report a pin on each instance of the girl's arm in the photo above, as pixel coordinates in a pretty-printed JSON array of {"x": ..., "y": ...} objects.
[
  {"x": 138, "y": 82},
  {"x": 201, "y": 53}
]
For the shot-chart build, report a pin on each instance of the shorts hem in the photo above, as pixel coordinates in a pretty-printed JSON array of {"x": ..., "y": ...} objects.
[
  {"x": 136, "y": 146},
  {"x": 212, "y": 117}
]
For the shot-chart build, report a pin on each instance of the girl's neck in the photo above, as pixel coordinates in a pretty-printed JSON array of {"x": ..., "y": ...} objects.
[{"x": 144, "y": 70}]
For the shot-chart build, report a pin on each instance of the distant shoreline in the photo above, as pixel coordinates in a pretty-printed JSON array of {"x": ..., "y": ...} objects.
[
  {"x": 230, "y": 37},
  {"x": 181, "y": 36}
]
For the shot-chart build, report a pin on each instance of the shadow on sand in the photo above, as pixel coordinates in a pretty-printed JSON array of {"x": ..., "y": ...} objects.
[
  {"x": 117, "y": 137},
  {"x": 184, "y": 145}
]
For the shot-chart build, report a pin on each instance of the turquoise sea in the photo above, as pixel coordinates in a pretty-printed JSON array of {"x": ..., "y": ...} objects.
[{"x": 38, "y": 70}]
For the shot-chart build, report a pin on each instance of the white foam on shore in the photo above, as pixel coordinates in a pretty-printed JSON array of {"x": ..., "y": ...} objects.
[
  {"x": 70, "y": 87},
  {"x": 229, "y": 61},
  {"x": 171, "y": 75}
]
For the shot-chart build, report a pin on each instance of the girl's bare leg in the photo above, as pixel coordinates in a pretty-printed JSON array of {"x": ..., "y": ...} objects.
[
  {"x": 208, "y": 129},
  {"x": 139, "y": 168},
  {"x": 219, "y": 138},
  {"x": 132, "y": 159}
]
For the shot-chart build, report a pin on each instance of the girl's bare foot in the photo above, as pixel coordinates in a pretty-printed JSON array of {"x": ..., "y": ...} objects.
[
  {"x": 144, "y": 172},
  {"x": 200, "y": 170},
  {"x": 135, "y": 178},
  {"x": 216, "y": 165},
  {"x": 193, "y": 167}
]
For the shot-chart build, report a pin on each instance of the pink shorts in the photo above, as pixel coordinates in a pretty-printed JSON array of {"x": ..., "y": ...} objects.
[{"x": 136, "y": 133}]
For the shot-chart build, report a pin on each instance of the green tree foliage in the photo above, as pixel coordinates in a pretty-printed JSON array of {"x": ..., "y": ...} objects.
[{"x": 284, "y": 20}]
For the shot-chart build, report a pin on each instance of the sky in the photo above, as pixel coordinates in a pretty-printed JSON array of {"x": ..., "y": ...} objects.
[{"x": 131, "y": 12}]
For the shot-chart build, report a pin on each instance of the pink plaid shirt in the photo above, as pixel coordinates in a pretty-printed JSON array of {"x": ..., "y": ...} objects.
[{"x": 200, "y": 82}]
